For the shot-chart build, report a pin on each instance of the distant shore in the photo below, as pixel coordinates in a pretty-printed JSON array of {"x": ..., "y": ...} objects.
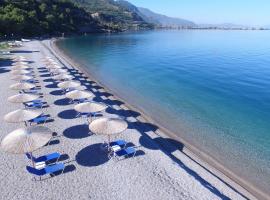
[{"x": 203, "y": 159}]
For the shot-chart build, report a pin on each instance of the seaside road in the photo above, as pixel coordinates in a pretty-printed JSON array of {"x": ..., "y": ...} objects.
[{"x": 154, "y": 173}]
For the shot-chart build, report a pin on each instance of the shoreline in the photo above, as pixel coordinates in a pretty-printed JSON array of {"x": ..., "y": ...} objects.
[{"x": 207, "y": 162}]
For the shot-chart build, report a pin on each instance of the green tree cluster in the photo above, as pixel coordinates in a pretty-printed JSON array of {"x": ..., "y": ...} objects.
[
  {"x": 114, "y": 14},
  {"x": 41, "y": 17}
]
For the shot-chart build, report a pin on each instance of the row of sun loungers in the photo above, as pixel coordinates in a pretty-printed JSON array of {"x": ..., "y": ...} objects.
[{"x": 48, "y": 164}]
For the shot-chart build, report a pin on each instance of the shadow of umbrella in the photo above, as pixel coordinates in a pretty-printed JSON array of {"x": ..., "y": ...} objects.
[
  {"x": 169, "y": 145},
  {"x": 53, "y": 85},
  {"x": 123, "y": 113},
  {"x": 57, "y": 93},
  {"x": 62, "y": 102},
  {"x": 77, "y": 132},
  {"x": 68, "y": 114},
  {"x": 47, "y": 80},
  {"x": 91, "y": 156}
]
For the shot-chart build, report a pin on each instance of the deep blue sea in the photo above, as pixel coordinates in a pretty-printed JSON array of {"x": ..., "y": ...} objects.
[{"x": 211, "y": 88}]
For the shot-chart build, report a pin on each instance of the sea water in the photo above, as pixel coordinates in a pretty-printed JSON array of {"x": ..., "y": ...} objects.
[{"x": 210, "y": 88}]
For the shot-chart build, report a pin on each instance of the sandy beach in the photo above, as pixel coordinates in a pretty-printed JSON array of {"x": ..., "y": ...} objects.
[{"x": 160, "y": 170}]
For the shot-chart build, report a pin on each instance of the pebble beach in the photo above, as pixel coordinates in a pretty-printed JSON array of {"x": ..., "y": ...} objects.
[{"x": 159, "y": 170}]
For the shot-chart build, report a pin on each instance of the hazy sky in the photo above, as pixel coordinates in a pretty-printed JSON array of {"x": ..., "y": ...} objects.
[{"x": 246, "y": 12}]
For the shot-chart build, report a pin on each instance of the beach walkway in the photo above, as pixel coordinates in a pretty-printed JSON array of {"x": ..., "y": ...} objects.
[{"x": 158, "y": 171}]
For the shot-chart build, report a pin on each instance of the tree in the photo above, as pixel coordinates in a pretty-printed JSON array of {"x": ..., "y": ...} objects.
[{"x": 35, "y": 17}]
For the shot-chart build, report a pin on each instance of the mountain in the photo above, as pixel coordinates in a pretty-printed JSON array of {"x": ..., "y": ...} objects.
[
  {"x": 44, "y": 17},
  {"x": 163, "y": 20},
  {"x": 223, "y": 26},
  {"x": 115, "y": 14}
]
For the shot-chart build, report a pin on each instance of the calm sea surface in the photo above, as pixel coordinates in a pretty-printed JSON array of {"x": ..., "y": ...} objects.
[{"x": 211, "y": 88}]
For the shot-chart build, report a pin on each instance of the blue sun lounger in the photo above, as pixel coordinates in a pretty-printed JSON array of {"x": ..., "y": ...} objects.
[
  {"x": 121, "y": 143},
  {"x": 34, "y": 104},
  {"x": 50, "y": 169},
  {"x": 40, "y": 119},
  {"x": 124, "y": 153},
  {"x": 46, "y": 158}
]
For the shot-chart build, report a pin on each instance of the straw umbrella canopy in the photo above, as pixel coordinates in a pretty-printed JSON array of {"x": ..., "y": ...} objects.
[
  {"x": 63, "y": 77},
  {"x": 26, "y": 140},
  {"x": 79, "y": 94},
  {"x": 90, "y": 107},
  {"x": 22, "y": 98},
  {"x": 22, "y": 86},
  {"x": 52, "y": 67},
  {"x": 21, "y": 78},
  {"x": 20, "y": 72},
  {"x": 20, "y": 59},
  {"x": 108, "y": 126},
  {"x": 19, "y": 67},
  {"x": 69, "y": 84},
  {"x": 47, "y": 59},
  {"x": 51, "y": 63},
  {"x": 21, "y": 115},
  {"x": 20, "y": 63},
  {"x": 58, "y": 71}
]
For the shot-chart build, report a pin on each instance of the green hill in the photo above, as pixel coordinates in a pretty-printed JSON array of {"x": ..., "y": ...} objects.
[
  {"x": 114, "y": 14},
  {"x": 41, "y": 17},
  {"x": 54, "y": 17}
]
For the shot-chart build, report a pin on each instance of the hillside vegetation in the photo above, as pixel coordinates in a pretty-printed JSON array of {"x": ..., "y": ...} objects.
[
  {"x": 114, "y": 14},
  {"x": 54, "y": 17},
  {"x": 39, "y": 17}
]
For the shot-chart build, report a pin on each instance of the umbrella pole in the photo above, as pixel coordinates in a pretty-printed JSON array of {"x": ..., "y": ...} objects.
[
  {"x": 109, "y": 140},
  {"x": 33, "y": 163}
]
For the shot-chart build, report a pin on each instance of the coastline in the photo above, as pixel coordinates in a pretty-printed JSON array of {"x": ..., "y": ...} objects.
[{"x": 205, "y": 161}]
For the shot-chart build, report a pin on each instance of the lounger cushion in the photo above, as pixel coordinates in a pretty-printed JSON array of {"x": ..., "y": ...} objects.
[
  {"x": 120, "y": 143},
  {"x": 126, "y": 152},
  {"x": 47, "y": 170},
  {"x": 44, "y": 158},
  {"x": 39, "y": 119},
  {"x": 54, "y": 168}
]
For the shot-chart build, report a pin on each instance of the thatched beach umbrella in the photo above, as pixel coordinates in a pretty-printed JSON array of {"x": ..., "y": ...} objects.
[
  {"x": 26, "y": 140},
  {"x": 90, "y": 107},
  {"x": 58, "y": 71},
  {"x": 47, "y": 58},
  {"x": 19, "y": 67},
  {"x": 22, "y": 115},
  {"x": 21, "y": 72},
  {"x": 52, "y": 62},
  {"x": 21, "y": 78},
  {"x": 52, "y": 67},
  {"x": 22, "y": 86},
  {"x": 79, "y": 94},
  {"x": 108, "y": 126},
  {"x": 63, "y": 77},
  {"x": 20, "y": 59},
  {"x": 22, "y": 98},
  {"x": 20, "y": 63},
  {"x": 69, "y": 84}
]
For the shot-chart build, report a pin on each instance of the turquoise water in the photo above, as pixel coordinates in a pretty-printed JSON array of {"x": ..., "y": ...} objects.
[{"x": 211, "y": 88}]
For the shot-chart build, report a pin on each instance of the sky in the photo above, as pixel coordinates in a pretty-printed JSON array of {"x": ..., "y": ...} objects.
[{"x": 244, "y": 12}]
